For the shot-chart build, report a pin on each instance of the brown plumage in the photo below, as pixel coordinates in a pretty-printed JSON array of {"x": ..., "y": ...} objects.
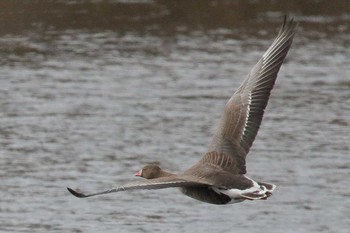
[
  {"x": 152, "y": 171},
  {"x": 219, "y": 177}
]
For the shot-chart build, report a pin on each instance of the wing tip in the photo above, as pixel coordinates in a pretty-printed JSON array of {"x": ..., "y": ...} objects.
[
  {"x": 285, "y": 35},
  {"x": 76, "y": 193},
  {"x": 288, "y": 26}
]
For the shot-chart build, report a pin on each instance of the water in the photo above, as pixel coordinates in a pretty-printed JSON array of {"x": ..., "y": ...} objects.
[{"x": 86, "y": 106}]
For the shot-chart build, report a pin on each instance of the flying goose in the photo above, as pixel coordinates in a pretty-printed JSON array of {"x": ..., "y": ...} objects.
[{"x": 219, "y": 177}]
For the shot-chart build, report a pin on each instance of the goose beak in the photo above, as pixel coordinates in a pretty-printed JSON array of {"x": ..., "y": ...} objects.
[{"x": 139, "y": 173}]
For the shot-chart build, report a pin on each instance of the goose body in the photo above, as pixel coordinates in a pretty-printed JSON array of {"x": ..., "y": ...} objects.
[{"x": 219, "y": 177}]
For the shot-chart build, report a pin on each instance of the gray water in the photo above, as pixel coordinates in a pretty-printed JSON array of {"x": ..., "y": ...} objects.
[{"x": 86, "y": 107}]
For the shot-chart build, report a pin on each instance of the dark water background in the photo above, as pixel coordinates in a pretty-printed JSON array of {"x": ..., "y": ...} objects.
[{"x": 90, "y": 91}]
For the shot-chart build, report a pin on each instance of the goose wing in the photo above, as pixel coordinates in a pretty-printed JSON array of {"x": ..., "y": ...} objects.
[
  {"x": 157, "y": 183},
  {"x": 244, "y": 111}
]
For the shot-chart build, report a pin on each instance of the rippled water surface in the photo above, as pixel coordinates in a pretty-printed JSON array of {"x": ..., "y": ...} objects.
[{"x": 86, "y": 106}]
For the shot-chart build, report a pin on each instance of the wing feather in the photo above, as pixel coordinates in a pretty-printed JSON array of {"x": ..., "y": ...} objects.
[
  {"x": 157, "y": 183},
  {"x": 244, "y": 111},
  {"x": 161, "y": 183}
]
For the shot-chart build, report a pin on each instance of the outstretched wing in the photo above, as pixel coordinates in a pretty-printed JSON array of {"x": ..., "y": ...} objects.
[
  {"x": 244, "y": 111},
  {"x": 158, "y": 183}
]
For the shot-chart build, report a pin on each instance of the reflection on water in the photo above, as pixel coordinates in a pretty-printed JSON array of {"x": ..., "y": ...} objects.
[{"x": 90, "y": 91}]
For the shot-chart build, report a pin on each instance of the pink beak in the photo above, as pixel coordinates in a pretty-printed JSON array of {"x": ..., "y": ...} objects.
[{"x": 139, "y": 173}]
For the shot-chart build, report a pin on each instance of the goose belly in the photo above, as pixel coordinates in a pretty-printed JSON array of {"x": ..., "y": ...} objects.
[{"x": 206, "y": 194}]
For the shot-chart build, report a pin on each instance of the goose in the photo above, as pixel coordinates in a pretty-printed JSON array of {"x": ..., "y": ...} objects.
[{"x": 219, "y": 177}]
